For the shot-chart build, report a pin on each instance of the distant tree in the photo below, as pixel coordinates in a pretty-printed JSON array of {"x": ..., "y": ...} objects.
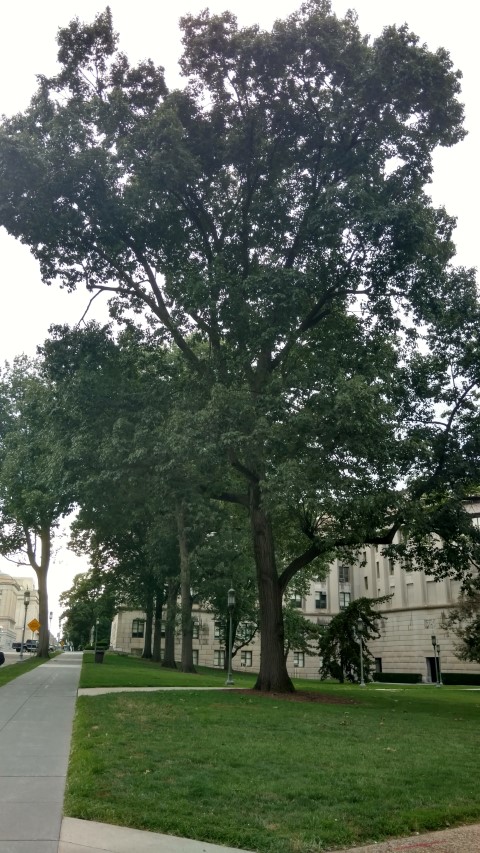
[
  {"x": 338, "y": 645},
  {"x": 34, "y": 490},
  {"x": 89, "y": 606},
  {"x": 301, "y": 634},
  {"x": 464, "y": 622}
]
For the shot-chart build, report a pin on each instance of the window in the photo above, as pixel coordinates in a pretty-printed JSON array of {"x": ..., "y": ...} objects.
[
  {"x": 344, "y": 574},
  {"x": 195, "y": 629},
  {"x": 320, "y": 600},
  {"x": 219, "y": 632},
  {"x": 299, "y": 659},
  {"x": 366, "y": 582},
  {"x": 391, "y": 566},
  {"x": 245, "y": 631},
  {"x": 364, "y": 557},
  {"x": 245, "y": 658},
  {"x": 344, "y": 600},
  {"x": 378, "y": 664},
  {"x": 218, "y": 657},
  {"x": 138, "y": 628},
  {"x": 195, "y": 657},
  {"x": 296, "y": 599},
  {"x": 378, "y": 568}
]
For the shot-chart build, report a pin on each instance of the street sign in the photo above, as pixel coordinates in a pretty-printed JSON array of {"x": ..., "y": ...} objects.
[{"x": 34, "y": 625}]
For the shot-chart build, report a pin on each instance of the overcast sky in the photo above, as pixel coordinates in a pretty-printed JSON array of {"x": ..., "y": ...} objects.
[{"x": 150, "y": 29}]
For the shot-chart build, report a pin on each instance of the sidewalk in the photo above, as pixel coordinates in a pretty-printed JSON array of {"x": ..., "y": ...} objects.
[{"x": 36, "y": 713}]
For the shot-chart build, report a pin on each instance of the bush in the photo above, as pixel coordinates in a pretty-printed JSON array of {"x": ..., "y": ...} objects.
[
  {"x": 461, "y": 677},
  {"x": 398, "y": 677}
]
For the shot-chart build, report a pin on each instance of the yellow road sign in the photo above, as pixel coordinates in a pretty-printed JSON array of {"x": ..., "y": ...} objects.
[{"x": 34, "y": 625}]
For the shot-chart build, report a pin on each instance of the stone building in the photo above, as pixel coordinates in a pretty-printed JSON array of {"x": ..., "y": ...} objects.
[{"x": 12, "y": 609}]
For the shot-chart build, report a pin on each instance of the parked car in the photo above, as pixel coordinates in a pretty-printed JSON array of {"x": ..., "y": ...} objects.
[
  {"x": 17, "y": 647},
  {"x": 32, "y": 645}
]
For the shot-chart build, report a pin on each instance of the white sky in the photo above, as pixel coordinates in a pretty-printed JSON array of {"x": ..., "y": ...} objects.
[{"x": 150, "y": 29}]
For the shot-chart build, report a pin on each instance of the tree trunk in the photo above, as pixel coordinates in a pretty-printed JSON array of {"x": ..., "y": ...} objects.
[
  {"x": 169, "y": 654},
  {"x": 273, "y": 675},
  {"x": 147, "y": 644},
  {"x": 41, "y": 571},
  {"x": 157, "y": 633},
  {"x": 185, "y": 593}
]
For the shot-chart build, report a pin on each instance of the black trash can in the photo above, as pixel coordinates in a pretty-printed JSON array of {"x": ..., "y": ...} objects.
[{"x": 99, "y": 653}]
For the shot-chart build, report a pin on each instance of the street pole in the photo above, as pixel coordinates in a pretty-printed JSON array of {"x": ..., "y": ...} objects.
[
  {"x": 360, "y": 642},
  {"x": 26, "y": 601},
  {"x": 230, "y": 605},
  {"x": 434, "y": 644},
  {"x": 439, "y": 682}
]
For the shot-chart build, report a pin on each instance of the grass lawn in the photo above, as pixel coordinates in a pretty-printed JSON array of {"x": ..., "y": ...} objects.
[
  {"x": 121, "y": 671},
  {"x": 8, "y": 673},
  {"x": 267, "y": 774}
]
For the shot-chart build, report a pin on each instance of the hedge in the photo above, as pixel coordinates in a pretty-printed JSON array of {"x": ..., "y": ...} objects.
[
  {"x": 461, "y": 678},
  {"x": 398, "y": 677}
]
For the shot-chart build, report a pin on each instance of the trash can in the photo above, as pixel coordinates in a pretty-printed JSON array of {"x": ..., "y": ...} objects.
[{"x": 99, "y": 653}]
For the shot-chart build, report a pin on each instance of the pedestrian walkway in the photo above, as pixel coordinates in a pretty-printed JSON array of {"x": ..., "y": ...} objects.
[{"x": 36, "y": 713}]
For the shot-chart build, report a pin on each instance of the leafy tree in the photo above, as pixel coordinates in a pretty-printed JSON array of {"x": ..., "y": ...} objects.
[
  {"x": 34, "y": 491},
  {"x": 339, "y": 646},
  {"x": 464, "y": 621},
  {"x": 300, "y": 633},
  {"x": 89, "y": 606},
  {"x": 271, "y": 221}
]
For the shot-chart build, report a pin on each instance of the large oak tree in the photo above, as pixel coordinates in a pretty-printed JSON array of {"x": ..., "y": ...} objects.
[{"x": 274, "y": 209}]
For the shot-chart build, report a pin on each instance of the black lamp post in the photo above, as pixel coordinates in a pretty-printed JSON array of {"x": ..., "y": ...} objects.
[
  {"x": 230, "y": 605},
  {"x": 439, "y": 679},
  {"x": 360, "y": 642},
  {"x": 26, "y": 601},
  {"x": 436, "y": 649}
]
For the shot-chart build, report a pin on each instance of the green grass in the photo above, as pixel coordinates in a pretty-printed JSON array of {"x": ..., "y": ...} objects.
[
  {"x": 119, "y": 671},
  {"x": 277, "y": 776},
  {"x": 8, "y": 673}
]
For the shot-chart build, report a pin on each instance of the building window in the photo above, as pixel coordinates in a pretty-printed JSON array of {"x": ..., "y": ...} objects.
[
  {"x": 344, "y": 600},
  {"x": 218, "y": 657},
  {"x": 366, "y": 582},
  {"x": 364, "y": 557},
  {"x": 245, "y": 658},
  {"x": 320, "y": 600},
  {"x": 219, "y": 632},
  {"x": 195, "y": 629},
  {"x": 378, "y": 664},
  {"x": 378, "y": 568},
  {"x": 344, "y": 574},
  {"x": 299, "y": 659},
  {"x": 138, "y": 628},
  {"x": 391, "y": 566},
  {"x": 296, "y": 599},
  {"x": 195, "y": 657}
]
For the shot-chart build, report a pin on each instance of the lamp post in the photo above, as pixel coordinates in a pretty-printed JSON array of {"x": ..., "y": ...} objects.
[
  {"x": 26, "y": 601},
  {"x": 434, "y": 644},
  {"x": 230, "y": 605},
  {"x": 439, "y": 671},
  {"x": 360, "y": 643}
]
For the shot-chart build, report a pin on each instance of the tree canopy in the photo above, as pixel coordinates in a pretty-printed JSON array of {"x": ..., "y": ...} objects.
[{"x": 270, "y": 220}]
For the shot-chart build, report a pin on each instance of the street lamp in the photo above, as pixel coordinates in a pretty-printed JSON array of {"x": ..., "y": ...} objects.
[
  {"x": 26, "y": 601},
  {"x": 436, "y": 648},
  {"x": 360, "y": 642},
  {"x": 230, "y": 605},
  {"x": 439, "y": 682}
]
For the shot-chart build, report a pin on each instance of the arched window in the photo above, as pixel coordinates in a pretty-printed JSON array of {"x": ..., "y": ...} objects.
[{"x": 138, "y": 627}]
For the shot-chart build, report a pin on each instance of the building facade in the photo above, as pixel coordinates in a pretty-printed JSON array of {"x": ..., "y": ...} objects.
[{"x": 12, "y": 609}]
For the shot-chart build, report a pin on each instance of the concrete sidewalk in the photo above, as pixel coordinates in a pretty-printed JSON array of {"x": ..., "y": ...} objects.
[{"x": 36, "y": 713}]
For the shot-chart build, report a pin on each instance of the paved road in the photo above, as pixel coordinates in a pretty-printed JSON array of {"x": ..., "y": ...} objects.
[{"x": 36, "y": 712}]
